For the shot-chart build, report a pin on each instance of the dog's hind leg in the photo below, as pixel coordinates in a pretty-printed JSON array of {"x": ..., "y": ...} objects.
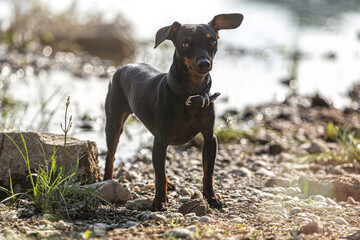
[{"x": 117, "y": 111}]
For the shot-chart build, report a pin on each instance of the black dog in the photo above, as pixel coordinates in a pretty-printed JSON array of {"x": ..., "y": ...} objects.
[{"x": 174, "y": 106}]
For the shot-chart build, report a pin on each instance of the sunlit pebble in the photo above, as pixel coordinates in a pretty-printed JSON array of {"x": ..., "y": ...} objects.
[
  {"x": 293, "y": 84},
  {"x": 259, "y": 117},
  {"x": 267, "y": 54},
  {"x": 355, "y": 105},
  {"x": 111, "y": 70},
  {"x": 20, "y": 73},
  {"x": 88, "y": 68},
  {"x": 60, "y": 56},
  {"x": 70, "y": 57},
  {"x": 99, "y": 120},
  {"x": 6, "y": 70},
  {"x": 12, "y": 78},
  {"x": 29, "y": 71},
  {"x": 251, "y": 123},
  {"x": 268, "y": 111},
  {"x": 100, "y": 70},
  {"x": 96, "y": 61},
  {"x": 243, "y": 141},
  {"x": 47, "y": 51},
  {"x": 280, "y": 97}
]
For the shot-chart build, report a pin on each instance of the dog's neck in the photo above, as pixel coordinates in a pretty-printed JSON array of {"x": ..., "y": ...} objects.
[{"x": 192, "y": 83}]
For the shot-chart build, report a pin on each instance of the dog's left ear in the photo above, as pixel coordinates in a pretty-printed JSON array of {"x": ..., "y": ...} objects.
[
  {"x": 168, "y": 32},
  {"x": 226, "y": 21}
]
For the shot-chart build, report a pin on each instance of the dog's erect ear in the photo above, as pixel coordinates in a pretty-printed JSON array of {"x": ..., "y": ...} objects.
[
  {"x": 168, "y": 32},
  {"x": 226, "y": 21}
]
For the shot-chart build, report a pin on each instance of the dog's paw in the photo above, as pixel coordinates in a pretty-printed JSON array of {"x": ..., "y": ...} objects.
[
  {"x": 215, "y": 203},
  {"x": 158, "y": 206}
]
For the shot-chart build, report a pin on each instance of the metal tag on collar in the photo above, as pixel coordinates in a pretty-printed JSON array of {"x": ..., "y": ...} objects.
[{"x": 188, "y": 101}]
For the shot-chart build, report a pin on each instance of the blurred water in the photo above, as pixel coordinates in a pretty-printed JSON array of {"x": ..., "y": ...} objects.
[{"x": 251, "y": 59}]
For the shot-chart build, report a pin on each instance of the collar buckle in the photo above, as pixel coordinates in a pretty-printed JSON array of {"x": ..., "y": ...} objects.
[{"x": 188, "y": 100}]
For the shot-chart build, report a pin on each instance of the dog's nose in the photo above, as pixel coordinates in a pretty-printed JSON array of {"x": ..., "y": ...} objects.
[{"x": 203, "y": 64}]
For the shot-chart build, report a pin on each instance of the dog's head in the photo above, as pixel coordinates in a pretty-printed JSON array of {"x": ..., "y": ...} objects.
[{"x": 196, "y": 44}]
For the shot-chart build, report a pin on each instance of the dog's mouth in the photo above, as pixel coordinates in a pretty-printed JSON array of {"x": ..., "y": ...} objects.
[{"x": 201, "y": 72}]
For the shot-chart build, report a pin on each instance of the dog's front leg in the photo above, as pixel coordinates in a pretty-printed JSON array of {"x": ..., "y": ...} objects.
[
  {"x": 209, "y": 155},
  {"x": 158, "y": 155}
]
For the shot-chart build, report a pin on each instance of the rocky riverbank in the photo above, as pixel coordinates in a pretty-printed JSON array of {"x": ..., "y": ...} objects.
[{"x": 290, "y": 171}]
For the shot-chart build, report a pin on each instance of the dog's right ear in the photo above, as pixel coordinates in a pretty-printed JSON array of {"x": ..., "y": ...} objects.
[{"x": 168, "y": 32}]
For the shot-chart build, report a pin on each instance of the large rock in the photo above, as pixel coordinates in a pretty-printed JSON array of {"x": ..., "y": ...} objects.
[{"x": 40, "y": 147}]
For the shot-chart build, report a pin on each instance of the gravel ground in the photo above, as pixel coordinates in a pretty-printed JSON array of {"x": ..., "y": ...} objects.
[{"x": 276, "y": 180}]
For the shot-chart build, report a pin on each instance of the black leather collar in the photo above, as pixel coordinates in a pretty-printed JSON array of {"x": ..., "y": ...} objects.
[{"x": 202, "y": 99}]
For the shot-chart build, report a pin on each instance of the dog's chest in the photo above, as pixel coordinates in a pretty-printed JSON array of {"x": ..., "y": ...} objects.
[{"x": 187, "y": 124}]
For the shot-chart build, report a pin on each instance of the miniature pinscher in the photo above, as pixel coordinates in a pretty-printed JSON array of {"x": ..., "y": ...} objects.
[{"x": 174, "y": 106}]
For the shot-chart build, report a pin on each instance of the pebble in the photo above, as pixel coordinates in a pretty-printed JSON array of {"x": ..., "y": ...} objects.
[
  {"x": 278, "y": 198},
  {"x": 278, "y": 190},
  {"x": 178, "y": 233},
  {"x": 292, "y": 191},
  {"x": 184, "y": 199},
  {"x": 319, "y": 198},
  {"x": 131, "y": 224},
  {"x": 9, "y": 215},
  {"x": 205, "y": 219},
  {"x": 351, "y": 200},
  {"x": 243, "y": 171},
  {"x": 264, "y": 172},
  {"x": 312, "y": 227},
  {"x": 139, "y": 204},
  {"x": 340, "y": 221},
  {"x": 191, "y": 214},
  {"x": 176, "y": 217},
  {"x": 99, "y": 229},
  {"x": 61, "y": 225},
  {"x": 281, "y": 182},
  {"x": 185, "y": 192},
  {"x": 197, "y": 195},
  {"x": 252, "y": 208},
  {"x": 295, "y": 210},
  {"x": 331, "y": 202},
  {"x": 357, "y": 209},
  {"x": 237, "y": 220}
]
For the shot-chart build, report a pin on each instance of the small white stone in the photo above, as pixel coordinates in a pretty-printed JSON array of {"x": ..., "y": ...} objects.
[
  {"x": 295, "y": 210},
  {"x": 340, "y": 221},
  {"x": 357, "y": 209},
  {"x": 278, "y": 198},
  {"x": 178, "y": 233},
  {"x": 205, "y": 219},
  {"x": 253, "y": 208},
  {"x": 277, "y": 190},
  {"x": 291, "y": 191},
  {"x": 237, "y": 220},
  {"x": 99, "y": 229},
  {"x": 131, "y": 223},
  {"x": 330, "y": 201},
  {"x": 61, "y": 225},
  {"x": 319, "y": 198}
]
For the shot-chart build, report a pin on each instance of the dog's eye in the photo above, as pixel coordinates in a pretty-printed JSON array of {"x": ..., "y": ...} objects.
[
  {"x": 212, "y": 43},
  {"x": 185, "y": 45}
]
